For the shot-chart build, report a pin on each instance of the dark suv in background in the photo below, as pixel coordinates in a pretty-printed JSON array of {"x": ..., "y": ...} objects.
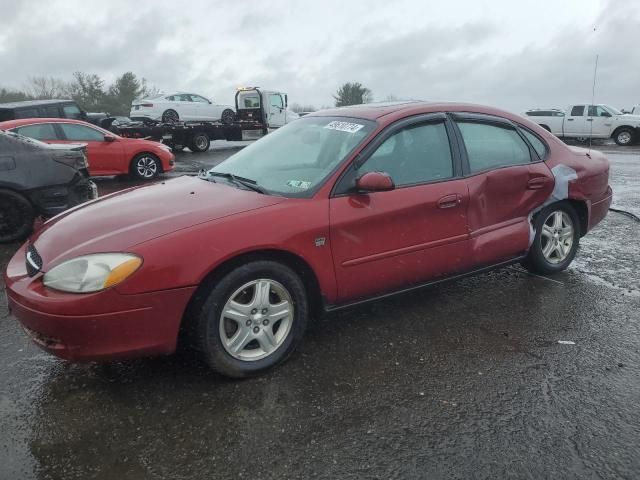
[
  {"x": 47, "y": 109},
  {"x": 38, "y": 179}
]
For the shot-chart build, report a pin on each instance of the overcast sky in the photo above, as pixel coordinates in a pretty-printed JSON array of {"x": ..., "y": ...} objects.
[{"x": 511, "y": 54}]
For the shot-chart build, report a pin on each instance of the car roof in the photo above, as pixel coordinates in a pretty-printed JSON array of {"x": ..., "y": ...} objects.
[
  {"x": 32, "y": 103},
  {"x": 387, "y": 112},
  {"x": 37, "y": 121}
]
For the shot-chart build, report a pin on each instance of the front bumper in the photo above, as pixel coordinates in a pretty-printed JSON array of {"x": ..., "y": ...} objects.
[{"x": 100, "y": 326}]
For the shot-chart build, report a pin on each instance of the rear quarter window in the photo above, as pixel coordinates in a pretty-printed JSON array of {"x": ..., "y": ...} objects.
[{"x": 538, "y": 145}]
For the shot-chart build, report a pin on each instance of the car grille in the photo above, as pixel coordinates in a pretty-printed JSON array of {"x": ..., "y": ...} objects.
[{"x": 33, "y": 261}]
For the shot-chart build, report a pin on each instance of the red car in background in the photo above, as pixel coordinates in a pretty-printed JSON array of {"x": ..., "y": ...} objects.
[
  {"x": 108, "y": 154},
  {"x": 337, "y": 208}
]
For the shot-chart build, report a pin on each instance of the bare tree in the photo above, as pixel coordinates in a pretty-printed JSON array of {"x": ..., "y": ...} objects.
[{"x": 46, "y": 87}]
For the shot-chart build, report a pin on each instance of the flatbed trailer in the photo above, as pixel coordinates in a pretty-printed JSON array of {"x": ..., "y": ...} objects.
[
  {"x": 257, "y": 113},
  {"x": 195, "y": 135}
]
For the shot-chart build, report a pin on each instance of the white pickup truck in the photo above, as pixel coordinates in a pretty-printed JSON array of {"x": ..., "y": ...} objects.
[{"x": 589, "y": 121}]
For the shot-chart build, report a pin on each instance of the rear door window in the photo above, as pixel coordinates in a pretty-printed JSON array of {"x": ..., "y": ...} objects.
[
  {"x": 81, "y": 133},
  {"x": 27, "y": 113},
  {"x": 577, "y": 111},
  {"x": 51, "y": 111},
  {"x": 43, "y": 131},
  {"x": 492, "y": 146}
]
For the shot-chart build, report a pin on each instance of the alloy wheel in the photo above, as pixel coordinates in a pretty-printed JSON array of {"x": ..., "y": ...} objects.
[
  {"x": 556, "y": 238},
  {"x": 147, "y": 167},
  {"x": 256, "y": 320}
]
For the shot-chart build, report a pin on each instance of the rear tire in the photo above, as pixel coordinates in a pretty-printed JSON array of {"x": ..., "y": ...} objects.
[
  {"x": 266, "y": 310},
  {"x": 556, "y": 239},
  {"x": 16, "y": 216},
  {"x": 228, "y": 116},
  {"x": 170, "y": 116},
  {"x": 145, "y": 166},
  {"x": 200, "y": 142}
]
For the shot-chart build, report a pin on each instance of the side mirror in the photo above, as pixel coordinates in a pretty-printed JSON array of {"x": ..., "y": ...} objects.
[
  {"x": 286, "y": 101},
  {"x": 109, "y": 138},
  {"x": 606, "y": 114},
  {"x": 374, "y": 182}
]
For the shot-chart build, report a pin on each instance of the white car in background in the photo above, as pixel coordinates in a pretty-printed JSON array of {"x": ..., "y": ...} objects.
[{"x": 180, "y": 107}]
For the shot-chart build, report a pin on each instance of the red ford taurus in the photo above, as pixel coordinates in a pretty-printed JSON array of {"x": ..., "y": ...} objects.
[
  {"x": 108, "y": 154},
  {"x": 339, "y": 207}
]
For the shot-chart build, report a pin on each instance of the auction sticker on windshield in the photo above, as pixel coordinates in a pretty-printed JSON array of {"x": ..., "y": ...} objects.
[
  {"x": 299, "y": 184},
  {"x": 344, "y": 126}
]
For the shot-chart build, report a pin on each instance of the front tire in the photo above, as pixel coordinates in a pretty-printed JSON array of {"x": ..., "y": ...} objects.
[
  {"x": 16, "y": 216},
  {"x": 556, "y": 240},
  {"x": 250, "y": 320},
  {"x": 624, "y": 137},
  {"x": 145, "y": 166}
]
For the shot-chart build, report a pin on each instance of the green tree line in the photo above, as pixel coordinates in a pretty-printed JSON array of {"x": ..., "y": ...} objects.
[{"x": 88, "y": 90}]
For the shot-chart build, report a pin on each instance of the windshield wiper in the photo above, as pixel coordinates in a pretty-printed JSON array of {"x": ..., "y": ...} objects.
[{"x": 245, "y": 182}]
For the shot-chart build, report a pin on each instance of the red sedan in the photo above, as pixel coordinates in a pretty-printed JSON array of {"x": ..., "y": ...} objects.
[
  {"x": 334, "y": 209},
  {"x": 108, "y": 154}
]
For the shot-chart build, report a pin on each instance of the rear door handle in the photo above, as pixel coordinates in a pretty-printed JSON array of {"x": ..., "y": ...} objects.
[
  {"x": 589, "y": 119},
  {"x": 569, "y": 119},
  {"x": 536, "y": 183},
  {"x": 450, "y": 201}
]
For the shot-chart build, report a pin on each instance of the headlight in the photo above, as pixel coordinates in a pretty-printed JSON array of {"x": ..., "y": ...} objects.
[{"x": 92, "y": 273}]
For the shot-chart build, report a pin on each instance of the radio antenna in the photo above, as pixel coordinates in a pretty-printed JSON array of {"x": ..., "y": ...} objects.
[{"x": 593, "y": 96}]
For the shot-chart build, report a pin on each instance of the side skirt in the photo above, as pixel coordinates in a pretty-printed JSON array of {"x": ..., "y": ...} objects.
[{"x": 333, "y": 308}]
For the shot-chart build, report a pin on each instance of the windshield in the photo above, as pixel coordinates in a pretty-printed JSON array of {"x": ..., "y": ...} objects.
[
  {"x": 612, "y": 111},
  {"x": 296, "y": 159}
]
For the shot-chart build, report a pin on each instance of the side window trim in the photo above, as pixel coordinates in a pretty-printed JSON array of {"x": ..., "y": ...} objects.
[
  {"x": 487, "y": 120},
  {"x": 535, "y": 156},
  {"x": 340, "y": 190}
]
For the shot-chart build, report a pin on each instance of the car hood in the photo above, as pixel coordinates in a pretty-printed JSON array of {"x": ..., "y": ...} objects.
[
  {"x": 121, "y": 220},
  {"x": 628, "y": 117}
]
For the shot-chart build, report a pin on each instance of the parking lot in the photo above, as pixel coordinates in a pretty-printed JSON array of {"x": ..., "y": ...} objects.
[{"x": 479, "y": 378}]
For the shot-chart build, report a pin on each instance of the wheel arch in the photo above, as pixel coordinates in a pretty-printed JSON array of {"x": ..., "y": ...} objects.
[
  {"x": 582, "y": 211},
  {"x": 623, "y": 127},
  {"x": 287, "y": 258}
]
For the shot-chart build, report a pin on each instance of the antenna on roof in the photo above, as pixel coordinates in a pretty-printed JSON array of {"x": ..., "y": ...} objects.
[{"x": 593, "y": 95}]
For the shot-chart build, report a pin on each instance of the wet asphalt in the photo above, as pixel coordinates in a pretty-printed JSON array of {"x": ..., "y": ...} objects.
[{"x": 464, "y": 380}]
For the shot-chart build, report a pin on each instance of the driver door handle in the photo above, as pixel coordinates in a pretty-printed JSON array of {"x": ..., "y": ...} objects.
[{"x": 450, "y": 201}]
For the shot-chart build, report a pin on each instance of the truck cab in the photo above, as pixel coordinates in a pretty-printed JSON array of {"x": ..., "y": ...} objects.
[{"x": 270, "y": 107}]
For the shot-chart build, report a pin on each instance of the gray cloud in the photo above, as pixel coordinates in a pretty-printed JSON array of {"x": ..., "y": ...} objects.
[{"x": 406, "y": 48}]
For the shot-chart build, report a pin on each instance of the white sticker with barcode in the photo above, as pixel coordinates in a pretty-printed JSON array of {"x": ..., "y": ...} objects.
[{"x": 344, "y": 126}]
